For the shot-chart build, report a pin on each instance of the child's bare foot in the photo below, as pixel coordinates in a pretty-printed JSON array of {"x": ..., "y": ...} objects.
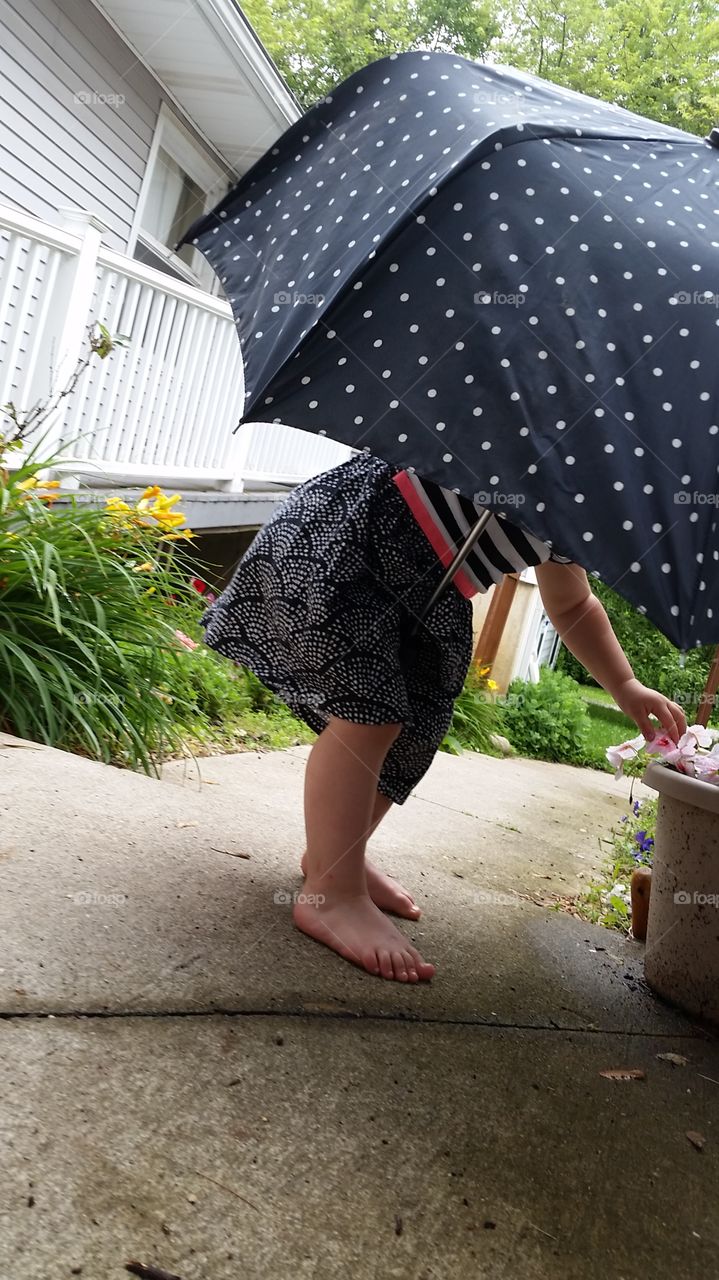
[
  {"x": 386, "y": 892},
  {"x": 355, "y": 928}
]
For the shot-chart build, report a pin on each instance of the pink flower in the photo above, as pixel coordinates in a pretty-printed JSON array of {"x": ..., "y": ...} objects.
[
  {"x": 685, "y": 755},
  {"x": 625, "y": 751},
  {"x": 187, "y": 641},
  {"x": 701, "y": 736},
  {"x": 662, "y": 745},
  {"x": 707, "y": 767}
]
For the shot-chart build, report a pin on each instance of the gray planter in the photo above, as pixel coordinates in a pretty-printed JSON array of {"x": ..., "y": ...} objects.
[{"x": 682, "y": 951}]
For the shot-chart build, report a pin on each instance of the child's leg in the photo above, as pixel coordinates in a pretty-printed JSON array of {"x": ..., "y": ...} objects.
[
  {"x": 340, "y": 796},
  {"x": 384, "y": 890}
]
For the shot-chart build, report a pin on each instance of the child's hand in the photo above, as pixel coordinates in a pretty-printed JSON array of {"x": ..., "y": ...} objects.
[{"x": 638, "y": 702}]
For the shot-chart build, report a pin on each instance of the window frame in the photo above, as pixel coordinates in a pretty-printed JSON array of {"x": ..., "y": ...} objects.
[{"x": 174, "y": 138}]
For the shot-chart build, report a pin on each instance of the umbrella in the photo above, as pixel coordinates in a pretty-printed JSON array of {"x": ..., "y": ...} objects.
[{"x": 509, "y": 287}]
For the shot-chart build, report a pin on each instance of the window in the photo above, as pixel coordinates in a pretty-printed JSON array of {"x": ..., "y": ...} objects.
[{"x": 182, "y": 181}]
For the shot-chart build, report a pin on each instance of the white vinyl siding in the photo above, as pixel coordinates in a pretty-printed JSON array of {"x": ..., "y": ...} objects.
[{"x": 56, "y": 148}]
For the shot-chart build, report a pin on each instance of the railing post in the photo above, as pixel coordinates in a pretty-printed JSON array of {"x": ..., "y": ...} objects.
[
  {"x": 74, "y": 292},
  {"x": 238, "y": 456}
]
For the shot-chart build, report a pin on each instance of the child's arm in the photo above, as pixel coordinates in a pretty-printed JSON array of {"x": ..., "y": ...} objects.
[{"x": 584, "y": 627}]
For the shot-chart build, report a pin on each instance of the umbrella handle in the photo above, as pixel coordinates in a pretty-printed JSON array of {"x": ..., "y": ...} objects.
[{"x": 453, "y": 569}]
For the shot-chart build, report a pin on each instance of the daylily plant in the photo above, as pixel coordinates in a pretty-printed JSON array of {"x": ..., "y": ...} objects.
[{"x": 689, "y": 755}]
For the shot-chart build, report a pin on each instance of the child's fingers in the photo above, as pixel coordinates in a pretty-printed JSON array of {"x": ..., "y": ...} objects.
[
  {"x": 669, "y": 716},
  {"x": 679, "y": 716}
]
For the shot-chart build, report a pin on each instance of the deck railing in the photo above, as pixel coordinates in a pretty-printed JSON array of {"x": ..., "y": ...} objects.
[{"x": 160, "y": 409}]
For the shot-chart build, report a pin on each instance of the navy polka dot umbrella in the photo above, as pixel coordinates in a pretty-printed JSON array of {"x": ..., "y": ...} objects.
[{"x": 513, "y": 289}]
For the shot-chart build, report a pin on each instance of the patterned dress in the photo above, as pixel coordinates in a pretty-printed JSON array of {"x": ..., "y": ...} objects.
[{"x": 322, "y": 607}]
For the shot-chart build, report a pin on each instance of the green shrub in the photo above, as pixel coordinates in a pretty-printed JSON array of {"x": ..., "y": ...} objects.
[{"x": 547, "y": 720}]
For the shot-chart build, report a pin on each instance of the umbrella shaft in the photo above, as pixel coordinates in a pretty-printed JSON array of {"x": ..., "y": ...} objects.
[{"x": 453, "y": 568}]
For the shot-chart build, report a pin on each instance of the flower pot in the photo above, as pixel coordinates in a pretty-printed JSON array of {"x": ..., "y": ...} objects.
[{"x": 682, "y": 953}]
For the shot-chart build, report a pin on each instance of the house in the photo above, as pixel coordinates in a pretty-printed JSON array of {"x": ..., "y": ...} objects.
[{"x": 122, "y": 124}]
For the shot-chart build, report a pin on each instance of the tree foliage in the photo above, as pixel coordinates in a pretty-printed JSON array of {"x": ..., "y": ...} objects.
[
  {"x": 318, "y": 43},
  {"x": 657, "y": 57}
]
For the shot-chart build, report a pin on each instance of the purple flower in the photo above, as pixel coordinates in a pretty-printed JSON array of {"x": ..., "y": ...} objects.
[
  {"x": 644, "y": 841},
  {"x": 636, "y": 807}
]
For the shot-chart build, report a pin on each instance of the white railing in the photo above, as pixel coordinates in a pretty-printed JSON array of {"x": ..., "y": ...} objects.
[{"x": 160, "y": 409}]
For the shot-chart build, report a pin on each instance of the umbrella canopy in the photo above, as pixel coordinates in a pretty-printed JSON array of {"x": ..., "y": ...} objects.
[{"x": 510, "y": 287}]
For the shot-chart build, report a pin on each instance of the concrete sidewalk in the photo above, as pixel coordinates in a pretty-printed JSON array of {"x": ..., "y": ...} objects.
[{"x": 188, "y": 1081}]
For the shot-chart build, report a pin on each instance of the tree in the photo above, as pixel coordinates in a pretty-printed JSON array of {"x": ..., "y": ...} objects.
[
  {"x": 318, "y": 43},
  {"x": 657, "y": 57}
]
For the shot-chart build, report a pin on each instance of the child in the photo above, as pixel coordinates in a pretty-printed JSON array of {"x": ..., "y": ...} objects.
[{"x": 322, "y": 608}]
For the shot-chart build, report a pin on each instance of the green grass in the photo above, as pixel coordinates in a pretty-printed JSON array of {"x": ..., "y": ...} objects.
[
  {"x": 595, "y": 694},
  {"x": 607, "y": 733}
]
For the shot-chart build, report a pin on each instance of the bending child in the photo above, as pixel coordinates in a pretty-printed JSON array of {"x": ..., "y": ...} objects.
[{"x": 322, "y": 608}]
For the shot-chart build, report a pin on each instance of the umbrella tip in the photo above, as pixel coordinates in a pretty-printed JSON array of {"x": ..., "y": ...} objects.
[{"x": 713, "y": 137}]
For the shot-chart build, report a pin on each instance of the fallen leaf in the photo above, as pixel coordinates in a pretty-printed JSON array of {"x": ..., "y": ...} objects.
[
  {"x": 398, "y": 1225},
  {"x": 624, "y": 1073},
  {"x": 677, "y": 1059},
  {"x": 187, "y": 824},
  {"x": 230, "y": 852},
  {"x": 697, "y": 1139}
]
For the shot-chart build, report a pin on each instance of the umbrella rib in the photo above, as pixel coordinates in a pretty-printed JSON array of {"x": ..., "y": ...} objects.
[{"x": 453, "y": 568}]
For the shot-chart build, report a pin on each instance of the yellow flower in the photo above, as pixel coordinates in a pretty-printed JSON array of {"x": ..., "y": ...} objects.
[
  {"x": 154, "y": 500},
  {"x": 492, "y": 684},
  {"x": 168, "y": 519},
  {"x": 30, "y": 483},
  {"x": 483, "y": 670},
  {"x": 140, "y": 568},
  {"x": 116, "y": 504},
  {"x": 182, "y": 533}
]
